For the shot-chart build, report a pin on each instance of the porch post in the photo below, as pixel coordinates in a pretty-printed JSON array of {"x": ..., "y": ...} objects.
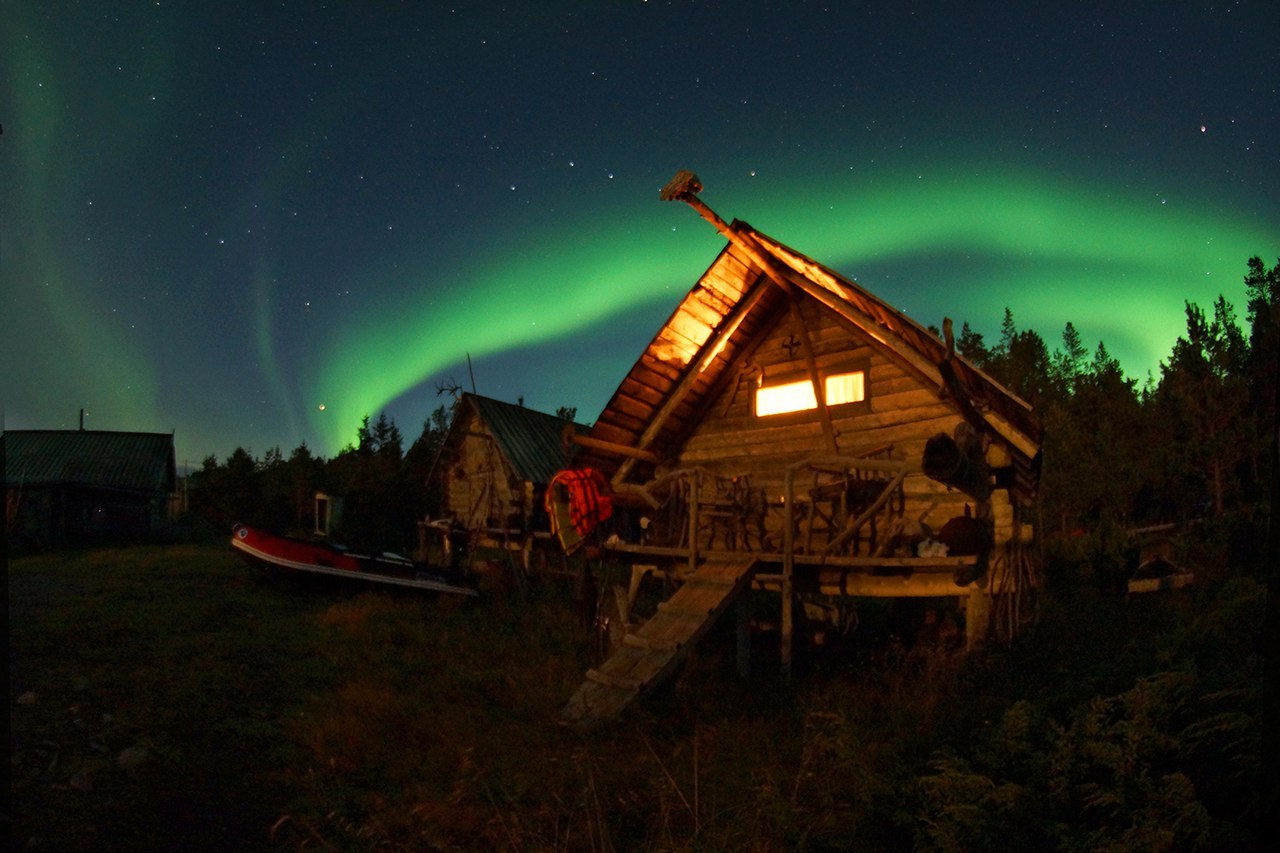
[{"x": 788, "y": 559}]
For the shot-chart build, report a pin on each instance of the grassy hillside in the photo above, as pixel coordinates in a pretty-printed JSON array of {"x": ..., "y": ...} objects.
[{"x": 170, "y": 697}]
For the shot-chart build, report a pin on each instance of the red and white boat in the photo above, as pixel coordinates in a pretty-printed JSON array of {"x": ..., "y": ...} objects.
[{"x": 323, "y": 558}]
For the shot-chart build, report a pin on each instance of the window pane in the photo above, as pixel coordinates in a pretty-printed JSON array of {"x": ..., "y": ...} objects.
[
  {"x": 846, "y": 388},
  {"x": 791, "y": 397}
]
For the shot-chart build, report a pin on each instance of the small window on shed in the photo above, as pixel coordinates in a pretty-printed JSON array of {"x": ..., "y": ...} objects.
[{"x": 840, "y": 388}]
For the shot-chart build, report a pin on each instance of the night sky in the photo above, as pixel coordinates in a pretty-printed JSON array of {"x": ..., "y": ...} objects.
[{"x": 255, "y": 222}]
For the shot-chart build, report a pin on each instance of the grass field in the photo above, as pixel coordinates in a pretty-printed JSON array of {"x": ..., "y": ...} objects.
[{"x": 173, "y": 698}]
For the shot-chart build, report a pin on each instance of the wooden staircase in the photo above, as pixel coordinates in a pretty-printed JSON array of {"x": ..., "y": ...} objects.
[{"x": 652, "y": 653}]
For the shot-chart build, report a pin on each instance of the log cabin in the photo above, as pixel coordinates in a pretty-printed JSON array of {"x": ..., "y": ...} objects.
[
  {"x": 788, "y": 430},
  {"x": 492, "y": 470},
  {"x": 79, "y": 486}
]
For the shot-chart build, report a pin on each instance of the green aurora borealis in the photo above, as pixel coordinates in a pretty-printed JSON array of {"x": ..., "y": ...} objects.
[
  {"x": 218, "y": 220},
  {"x": 1116, "y": 265}
]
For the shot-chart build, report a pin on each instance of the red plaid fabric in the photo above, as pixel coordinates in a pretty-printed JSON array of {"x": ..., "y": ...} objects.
[{"x": 589, "y": 500}]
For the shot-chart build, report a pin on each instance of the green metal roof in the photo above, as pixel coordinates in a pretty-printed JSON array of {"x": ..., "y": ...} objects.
[
  {"x": 532, "y": 441},
  {"x": 134, "y": 461}
]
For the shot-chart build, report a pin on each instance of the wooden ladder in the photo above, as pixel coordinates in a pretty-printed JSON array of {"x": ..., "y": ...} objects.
[{"x": 651, "y": 654}]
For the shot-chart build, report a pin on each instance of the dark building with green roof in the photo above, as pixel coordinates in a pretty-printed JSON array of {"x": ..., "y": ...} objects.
[{"x": 70, "y": 486}]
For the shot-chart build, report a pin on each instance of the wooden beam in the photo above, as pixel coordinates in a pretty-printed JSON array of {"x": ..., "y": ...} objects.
[
  {"x": 977, "y": 618},
  {"x": 612, "y": 447},
  {"x": 832, "y": 581},
  {"x": 852, "y": 530},
  {"x": 819, "y": 387},
  {"x": 747, "y": 244},
  {"x": 691, "y": 375},
  {"x": 868, "y": 326}
]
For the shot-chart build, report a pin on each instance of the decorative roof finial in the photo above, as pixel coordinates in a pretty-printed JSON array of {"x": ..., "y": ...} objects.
[{"x": 684, "y": 184}]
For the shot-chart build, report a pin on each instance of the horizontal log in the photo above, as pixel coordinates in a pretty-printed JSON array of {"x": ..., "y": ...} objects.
[
  {"x": 919, "y": 585},
  {"x": 630, "y": 406},
  {"x": 706, "y": 448},
  {"x": 808, "y": 562},
  {"x": 615, "y": 448},
  {"x": 634, "y": 386},
  {"x": 752, "y": 429}
]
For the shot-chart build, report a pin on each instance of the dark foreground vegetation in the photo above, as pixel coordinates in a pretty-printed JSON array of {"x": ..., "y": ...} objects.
[{"x": 174, "y": 698}]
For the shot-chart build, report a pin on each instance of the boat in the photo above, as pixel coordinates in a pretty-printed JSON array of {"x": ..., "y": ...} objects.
[{"x": 311, "y": 556}]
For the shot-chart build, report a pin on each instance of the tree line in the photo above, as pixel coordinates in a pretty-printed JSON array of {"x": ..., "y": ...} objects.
[
  {"x": 383, "y": 487},
  {"x": 1193, "y": 443}
]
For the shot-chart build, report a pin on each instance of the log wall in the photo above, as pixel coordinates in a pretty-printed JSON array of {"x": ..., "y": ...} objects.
[
  {"x": 479, "y": 487},
  {"x": 902, "y": 410}
]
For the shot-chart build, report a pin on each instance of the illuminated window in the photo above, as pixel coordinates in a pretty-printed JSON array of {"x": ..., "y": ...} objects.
[
  {"x": 846, "y": 388},
  {"x": 841, "y": 389},
  {"x": 791, "y": 397}
]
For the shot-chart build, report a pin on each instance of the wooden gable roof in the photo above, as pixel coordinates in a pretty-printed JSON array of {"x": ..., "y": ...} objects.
[{"x": 733, "y": 304}]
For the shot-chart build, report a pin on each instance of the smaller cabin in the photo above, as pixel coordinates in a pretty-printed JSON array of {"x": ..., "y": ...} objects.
[
  {"x": 72, "y": 486},
  {"x": 492, "y": 471}
]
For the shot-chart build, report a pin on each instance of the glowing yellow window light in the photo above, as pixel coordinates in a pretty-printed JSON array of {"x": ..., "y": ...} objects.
[
  {"x": 846, "y": 388},
  {"x": 790, "y": 397},
  {"x": 840, "y": 388}
]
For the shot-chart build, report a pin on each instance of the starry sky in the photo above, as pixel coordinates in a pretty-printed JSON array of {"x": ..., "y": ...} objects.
[{"x": 252, "y": 223}]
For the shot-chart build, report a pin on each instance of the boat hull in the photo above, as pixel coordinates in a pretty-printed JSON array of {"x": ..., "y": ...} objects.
[{"x": 321, "y": 558}]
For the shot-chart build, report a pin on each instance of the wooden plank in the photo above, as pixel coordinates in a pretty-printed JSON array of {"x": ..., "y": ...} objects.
[
  {"x": 611, "y": 432},
  {"x": 689, "y": 379},
  {"x": 654, "y": 364},
  {"x": 630, "y": 406},
  {"x": 653, "y": 652},
  {"x": 799, "y": 327},
  {"x": 649, "y": 644},
  {"x": 614, "y": 680},
  {"x": 697, "y": 581},
  {"x": 1177, "y": 580},
  {"x": 634, "y": 389}
]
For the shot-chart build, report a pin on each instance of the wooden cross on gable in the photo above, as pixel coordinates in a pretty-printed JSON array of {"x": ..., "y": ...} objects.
[{"x": 791, "y": 344}]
